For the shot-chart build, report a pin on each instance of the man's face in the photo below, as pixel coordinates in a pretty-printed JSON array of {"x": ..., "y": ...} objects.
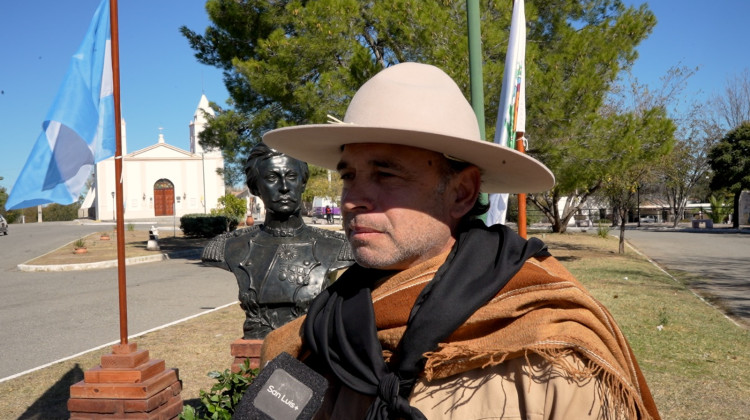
[
  {"x": 280, "y": 185},
  {"x": 395, "y": 209}
]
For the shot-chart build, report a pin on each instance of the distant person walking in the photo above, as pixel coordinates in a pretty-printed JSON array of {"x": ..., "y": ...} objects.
[{"x": 329, "y": 214}]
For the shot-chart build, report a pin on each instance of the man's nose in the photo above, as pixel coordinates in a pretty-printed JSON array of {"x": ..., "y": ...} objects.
[{"x": 357, "y": 198}]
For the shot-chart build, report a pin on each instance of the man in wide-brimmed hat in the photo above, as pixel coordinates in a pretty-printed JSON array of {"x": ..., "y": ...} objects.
[{"x": 442, "y": 316}]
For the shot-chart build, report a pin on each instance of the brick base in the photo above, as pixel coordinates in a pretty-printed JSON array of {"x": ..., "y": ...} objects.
[
  {"x": 243, "y": 350},
  {"x": 127, "y": 385}
]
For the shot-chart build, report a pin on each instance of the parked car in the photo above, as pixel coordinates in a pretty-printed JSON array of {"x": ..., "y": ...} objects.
[
  {"x": 3, "y": 225},
  {"x": 648, "y": 219}
]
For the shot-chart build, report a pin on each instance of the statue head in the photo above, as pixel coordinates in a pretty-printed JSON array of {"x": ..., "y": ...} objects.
[{"x": 277, "y": 179}]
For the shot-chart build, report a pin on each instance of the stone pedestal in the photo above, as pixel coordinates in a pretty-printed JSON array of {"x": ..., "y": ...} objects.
[
  {"x": 127, "y": 385},
  {"x": 243, "y": 350}
]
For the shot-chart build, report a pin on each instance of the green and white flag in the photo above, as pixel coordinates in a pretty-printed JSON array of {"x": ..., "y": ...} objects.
[{"x": 511, "y": 114}]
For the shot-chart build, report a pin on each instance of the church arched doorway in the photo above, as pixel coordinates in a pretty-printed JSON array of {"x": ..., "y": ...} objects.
[{"x": 163, "y": 198}]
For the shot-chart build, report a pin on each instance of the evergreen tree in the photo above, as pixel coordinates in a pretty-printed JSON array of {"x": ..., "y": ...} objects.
[
  {"x": 730, "y": 162},
  {"x": 3, "y": 198},
  {"x": 295, "y": 62}
]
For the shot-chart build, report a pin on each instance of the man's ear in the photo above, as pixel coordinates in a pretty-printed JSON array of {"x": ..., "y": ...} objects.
[{"x": 466, "y": 188}]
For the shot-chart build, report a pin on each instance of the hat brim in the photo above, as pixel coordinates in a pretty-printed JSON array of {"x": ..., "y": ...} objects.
[{"x": 504, "y": 170}]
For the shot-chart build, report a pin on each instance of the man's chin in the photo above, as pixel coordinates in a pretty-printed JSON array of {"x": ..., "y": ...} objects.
[{"x": 379, "y": 261}]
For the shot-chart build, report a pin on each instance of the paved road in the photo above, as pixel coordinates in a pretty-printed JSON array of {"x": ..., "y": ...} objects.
[
  {"x": 48, "y": 316},
  {"x": 721, "y": 262},
  {"x": 31, "y": 240}
]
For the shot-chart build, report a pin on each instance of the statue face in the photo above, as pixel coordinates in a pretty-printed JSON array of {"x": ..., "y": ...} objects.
[{"x": 280, "y": 185}]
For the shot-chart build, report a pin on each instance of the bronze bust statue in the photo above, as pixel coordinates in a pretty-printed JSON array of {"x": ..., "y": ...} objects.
[{"x": 281, "y": 264}]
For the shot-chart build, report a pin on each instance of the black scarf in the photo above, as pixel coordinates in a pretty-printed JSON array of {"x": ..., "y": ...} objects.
[{"x": 340, "y": 326}]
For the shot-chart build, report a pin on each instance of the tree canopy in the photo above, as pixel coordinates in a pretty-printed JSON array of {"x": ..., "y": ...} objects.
[
  {"x": 231, "y": 206},
  {"x": 295, "y": 62},
  {"x": 730, "y": 162}
]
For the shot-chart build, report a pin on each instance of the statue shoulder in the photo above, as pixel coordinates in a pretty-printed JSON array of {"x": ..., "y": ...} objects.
[
  {"x": 214, "y": 252},
  {"x": 327, "y": 233},
  {"x": 332, "y": 236}
]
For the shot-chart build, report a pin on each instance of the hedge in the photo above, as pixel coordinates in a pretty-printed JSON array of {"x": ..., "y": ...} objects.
[{"x": 206, "y": 225}]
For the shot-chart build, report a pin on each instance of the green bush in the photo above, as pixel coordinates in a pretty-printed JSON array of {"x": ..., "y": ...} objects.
[
  {"x": 57, "y": 212},
  {"x": 206, "y": 226},
  {"x": 602, "y": 230},
  {"x": 13, "y": 216},
  {"x": 719, "y": 208},
  {"x": 225, "y": 395},
  {"x": 231, "y": 206}
]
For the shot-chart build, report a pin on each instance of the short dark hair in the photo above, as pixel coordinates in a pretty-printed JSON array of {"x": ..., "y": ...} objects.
[{"x": 261, "y": 152}]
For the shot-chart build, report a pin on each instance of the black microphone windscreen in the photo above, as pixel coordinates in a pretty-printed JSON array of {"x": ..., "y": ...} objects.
[{"x": 285, "y": 389}]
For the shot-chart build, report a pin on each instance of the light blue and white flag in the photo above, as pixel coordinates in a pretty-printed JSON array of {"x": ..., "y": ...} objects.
[
  {"x": 511, "y": 114},
  {"x": 79, "y": 129}
]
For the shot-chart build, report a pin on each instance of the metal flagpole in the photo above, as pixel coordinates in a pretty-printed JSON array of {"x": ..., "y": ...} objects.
[
  {"x": 127, "y": 381},
  {"x": 120, "y": 223},
  {"x": 521, "y": 148},
  {"x": 475, "y": 72},
  {"x": 475, "y": 62}
]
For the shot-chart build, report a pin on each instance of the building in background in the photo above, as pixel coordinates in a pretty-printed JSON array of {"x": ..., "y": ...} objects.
[{"x": 160, "y": 180}]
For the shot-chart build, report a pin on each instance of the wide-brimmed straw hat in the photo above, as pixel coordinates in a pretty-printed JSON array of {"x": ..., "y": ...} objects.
[{"x": 415, "y": 105}]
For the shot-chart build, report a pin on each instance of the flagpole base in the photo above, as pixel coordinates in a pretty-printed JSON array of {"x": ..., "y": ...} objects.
[{"x": 127, "y": 384}]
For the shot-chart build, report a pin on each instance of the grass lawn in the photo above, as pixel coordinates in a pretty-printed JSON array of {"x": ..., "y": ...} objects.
[{"x": 696, "y": 361}]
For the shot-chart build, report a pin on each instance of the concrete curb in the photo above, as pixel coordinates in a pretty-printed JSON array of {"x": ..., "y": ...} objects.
[{"x": 111, "y": 263}]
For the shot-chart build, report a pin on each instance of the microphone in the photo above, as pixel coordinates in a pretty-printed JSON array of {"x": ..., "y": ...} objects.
[{"x": 285, "y": 389}]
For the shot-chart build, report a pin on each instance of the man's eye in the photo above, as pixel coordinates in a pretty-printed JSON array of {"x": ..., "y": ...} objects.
[
  {"x": 382, "y": 174},
  {"x": 346, "y": 176},
  {"x": 271, "y": 178}
]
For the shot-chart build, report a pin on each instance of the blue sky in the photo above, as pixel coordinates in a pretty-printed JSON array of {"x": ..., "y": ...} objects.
[
  {"x": 161, "y": 81},
  {"x": 712, "y": 36}
]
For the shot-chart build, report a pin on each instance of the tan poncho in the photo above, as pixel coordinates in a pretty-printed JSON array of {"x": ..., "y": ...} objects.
[{"x": 542, "y": 310}]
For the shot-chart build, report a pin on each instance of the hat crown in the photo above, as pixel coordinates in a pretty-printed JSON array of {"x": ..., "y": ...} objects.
[
  {"x": 415, "y": 97},
  {"x": 414, "y": 105}
]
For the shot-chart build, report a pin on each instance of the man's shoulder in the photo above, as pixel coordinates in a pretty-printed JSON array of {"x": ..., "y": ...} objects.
[{"x": 549, "y": 265}]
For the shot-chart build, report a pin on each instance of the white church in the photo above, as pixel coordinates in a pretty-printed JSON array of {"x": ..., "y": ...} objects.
[{"x": 161, "y": 180}]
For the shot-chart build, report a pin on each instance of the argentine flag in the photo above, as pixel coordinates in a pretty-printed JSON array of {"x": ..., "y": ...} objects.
[{"x": 79, "y": 129}]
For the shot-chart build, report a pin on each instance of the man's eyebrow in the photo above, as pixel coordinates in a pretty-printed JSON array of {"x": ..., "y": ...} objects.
[
  {"x": 379, "y": 163},
  {"x": 387, "y": 163}
]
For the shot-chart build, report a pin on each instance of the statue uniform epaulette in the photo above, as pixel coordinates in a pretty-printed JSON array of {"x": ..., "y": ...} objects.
[{"x": 213, "y": 253}]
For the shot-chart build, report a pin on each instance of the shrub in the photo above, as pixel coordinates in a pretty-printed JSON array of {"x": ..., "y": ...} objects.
[
  {"x": 225, "y": 395},
  {"x": 206, "y": 226},
  {"x": 719, "y": 209},
  {"x": 602, "y": 230},
  {"x": 57, "y": 212},
  {"x": 12, "y": 216},
  {"x": 231, "y": 206}
]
